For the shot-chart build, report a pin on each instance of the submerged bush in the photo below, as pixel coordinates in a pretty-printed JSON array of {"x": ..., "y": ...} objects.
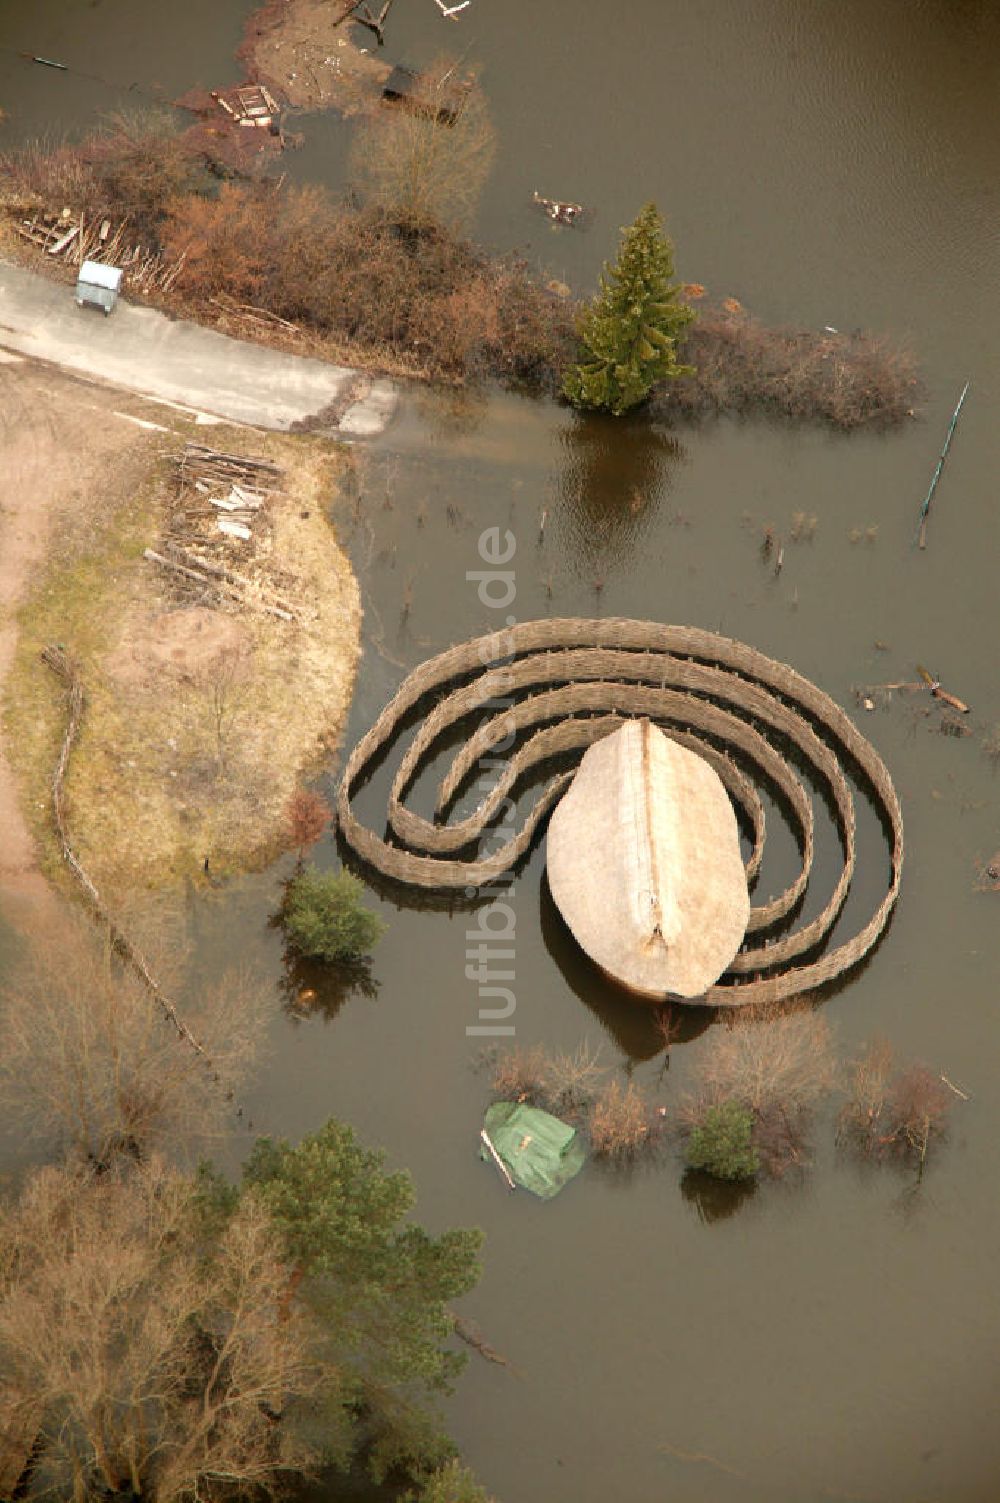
[
  {"x": 722, "y": 1142},
  {"x": 323, "y": 916},
  {"x": 889, "y": 1110},
  {"x": 741, "y": 365},
  {"x": 619, "y": 1121}
]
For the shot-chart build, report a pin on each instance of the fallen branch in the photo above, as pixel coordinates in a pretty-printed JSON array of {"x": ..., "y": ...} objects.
[
  {"x": 921, "y": 537},
  {"x": 962, "y": 1095},
  {"x": 470, "y": 1333},
  {"x": 61, "y": 665},
  {"x": 205, "y": 573}
]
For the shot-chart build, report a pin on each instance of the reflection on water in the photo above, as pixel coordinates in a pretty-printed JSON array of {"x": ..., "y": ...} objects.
[
  {"x": 715, "y": 1199},
  {"x": 316, "y": 989},
  {"x": 614, "y": 474}
]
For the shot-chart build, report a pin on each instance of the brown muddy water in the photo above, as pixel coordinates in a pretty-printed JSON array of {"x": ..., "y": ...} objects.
[{"x": 829, "y": 1337}]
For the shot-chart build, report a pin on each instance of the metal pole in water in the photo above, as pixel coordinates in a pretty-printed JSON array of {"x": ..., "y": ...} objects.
[{"x": 921, "y": 536}]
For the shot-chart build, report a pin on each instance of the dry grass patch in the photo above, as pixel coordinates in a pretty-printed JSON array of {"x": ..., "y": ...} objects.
[{"x": 201, "y": 713}]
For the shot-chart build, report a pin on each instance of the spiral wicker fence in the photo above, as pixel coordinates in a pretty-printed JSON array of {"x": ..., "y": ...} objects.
[{"x": 555, "y": 687}]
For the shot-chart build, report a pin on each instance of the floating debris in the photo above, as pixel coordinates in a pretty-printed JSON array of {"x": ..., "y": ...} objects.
[
  {"x": 250, "y": 105},
  {"x": 560, "y": 211}
]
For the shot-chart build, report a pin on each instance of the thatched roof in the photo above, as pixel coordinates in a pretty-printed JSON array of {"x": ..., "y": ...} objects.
[{"x": 644, "y": 863}]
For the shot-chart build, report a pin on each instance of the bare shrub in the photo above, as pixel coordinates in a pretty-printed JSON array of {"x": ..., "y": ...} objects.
[
  {"x": 130, "y": 168},
  {"x": 892, "y": 1111},
  {"x": 141, "y": 163},
  {"x": 49, "y": 175},
  {"x": 569, "y": 1081},
  {"x": 620, "y": 1123},
  {"x": 519, "y": 1074},
  {"x": 426, "y": 160},
  {"x": 861, "y": 1121},
  {"x": 773, "y": 1062},
  {"x": 90, "y": 1060},
  {"x": 563, "y": 1083},
  {"x": 919, "y": 1106},
  {"x": 307, "y": 815},
  {"x": 155, "y": 1365},
  {"x": 774, "y": 1057},
  {"x": 741, "y": 364}
]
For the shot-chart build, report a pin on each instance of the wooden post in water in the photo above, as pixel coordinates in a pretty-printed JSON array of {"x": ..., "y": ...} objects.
[{"x": 921, "y": 538}]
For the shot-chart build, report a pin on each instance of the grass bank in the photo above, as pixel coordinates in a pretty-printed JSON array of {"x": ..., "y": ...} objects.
[{"x": 202, "y": 711}]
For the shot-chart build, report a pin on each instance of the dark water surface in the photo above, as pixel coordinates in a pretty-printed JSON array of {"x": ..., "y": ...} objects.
[{"x": 830, "y": 1338}]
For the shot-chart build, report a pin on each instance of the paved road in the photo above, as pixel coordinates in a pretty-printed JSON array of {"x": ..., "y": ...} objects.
[{"x": 181, "y": 362}]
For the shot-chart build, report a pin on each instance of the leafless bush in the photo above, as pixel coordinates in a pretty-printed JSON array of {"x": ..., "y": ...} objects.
[
  {"x": 90, "y": 1060},
  {"x": 861, "y": 1117},
  {"x": 570, "y": 1080},
  {"x": 741, "y": 365},
  {"x": 426, "y": 160},
  {"x": 774, "y": 1061},
  {"x": 892, "y": 1111},
  {"x": 563, "y": 1083},
  {"x": 152, "y": 1365},
  {"x": 518, "y": 1074},
  {"x": 771, "y": 1058},
  {"x": 620, "y": 1122},
  {"x": 129, "y": 168},
  {"x": 919, "y": 1106}
]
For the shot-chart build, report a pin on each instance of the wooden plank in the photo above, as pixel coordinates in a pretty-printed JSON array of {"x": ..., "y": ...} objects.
[{"x": 63, "y": 241}]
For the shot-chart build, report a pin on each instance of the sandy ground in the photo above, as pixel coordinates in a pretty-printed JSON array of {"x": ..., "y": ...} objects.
[
  {"x": 151, "y": 788},
  {"x": 58, "y": 437}
]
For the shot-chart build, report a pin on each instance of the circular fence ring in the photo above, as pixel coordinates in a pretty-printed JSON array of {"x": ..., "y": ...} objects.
[{"x": 710, "y": 692}]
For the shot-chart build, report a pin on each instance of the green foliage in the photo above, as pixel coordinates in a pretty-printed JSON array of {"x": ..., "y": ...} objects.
[
  {"x": 323, "y": 916},
  {"x": 451, "y": 1483},
  {"x": 379, "y": 1284},
  {"x": 629, "y": 332},
  {"x": 722, "y": 1143}
]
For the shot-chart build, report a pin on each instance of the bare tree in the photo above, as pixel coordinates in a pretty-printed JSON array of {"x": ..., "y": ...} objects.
[
  {"x": 774, "y": 1057},
  {"x": 89, "y": 1058},
  {"x": 153, "y": 1362},
  {"x": 425, "y": 160}
]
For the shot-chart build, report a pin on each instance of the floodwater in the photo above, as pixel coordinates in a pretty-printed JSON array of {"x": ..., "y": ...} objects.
[{"x": 834, "y": 1336}]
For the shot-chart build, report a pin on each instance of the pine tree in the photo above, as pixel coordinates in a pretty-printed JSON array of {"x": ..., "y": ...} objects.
[{"x": 629, "y": 332}]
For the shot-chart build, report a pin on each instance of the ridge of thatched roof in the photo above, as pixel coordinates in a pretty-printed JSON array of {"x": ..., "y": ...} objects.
[{"x": 644, "y": 863}]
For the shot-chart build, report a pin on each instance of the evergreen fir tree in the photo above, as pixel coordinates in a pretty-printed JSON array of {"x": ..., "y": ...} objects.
[{"x": 629, "y": 332}]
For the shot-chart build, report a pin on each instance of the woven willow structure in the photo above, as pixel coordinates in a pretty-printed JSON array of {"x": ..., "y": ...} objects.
[{"x": 558, "y": 686}]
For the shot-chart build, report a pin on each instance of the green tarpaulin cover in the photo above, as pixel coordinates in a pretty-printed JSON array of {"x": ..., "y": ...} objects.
[{"x": 542, "y": 1153}]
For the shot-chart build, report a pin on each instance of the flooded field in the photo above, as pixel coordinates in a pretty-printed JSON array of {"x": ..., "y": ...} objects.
[{"x": 834, "y": 1335}]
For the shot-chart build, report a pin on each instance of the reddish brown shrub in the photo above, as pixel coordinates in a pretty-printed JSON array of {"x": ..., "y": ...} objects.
[
  {"x": 224, "y": 242},
  {"x": 307, "y": 815}
]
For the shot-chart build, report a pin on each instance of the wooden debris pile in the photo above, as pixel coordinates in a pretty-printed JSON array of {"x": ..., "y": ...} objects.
[
  {"x": 250, "y": 105},
  {"x": 73, "y": 239},
  {"x": 219, "y": 537}
]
